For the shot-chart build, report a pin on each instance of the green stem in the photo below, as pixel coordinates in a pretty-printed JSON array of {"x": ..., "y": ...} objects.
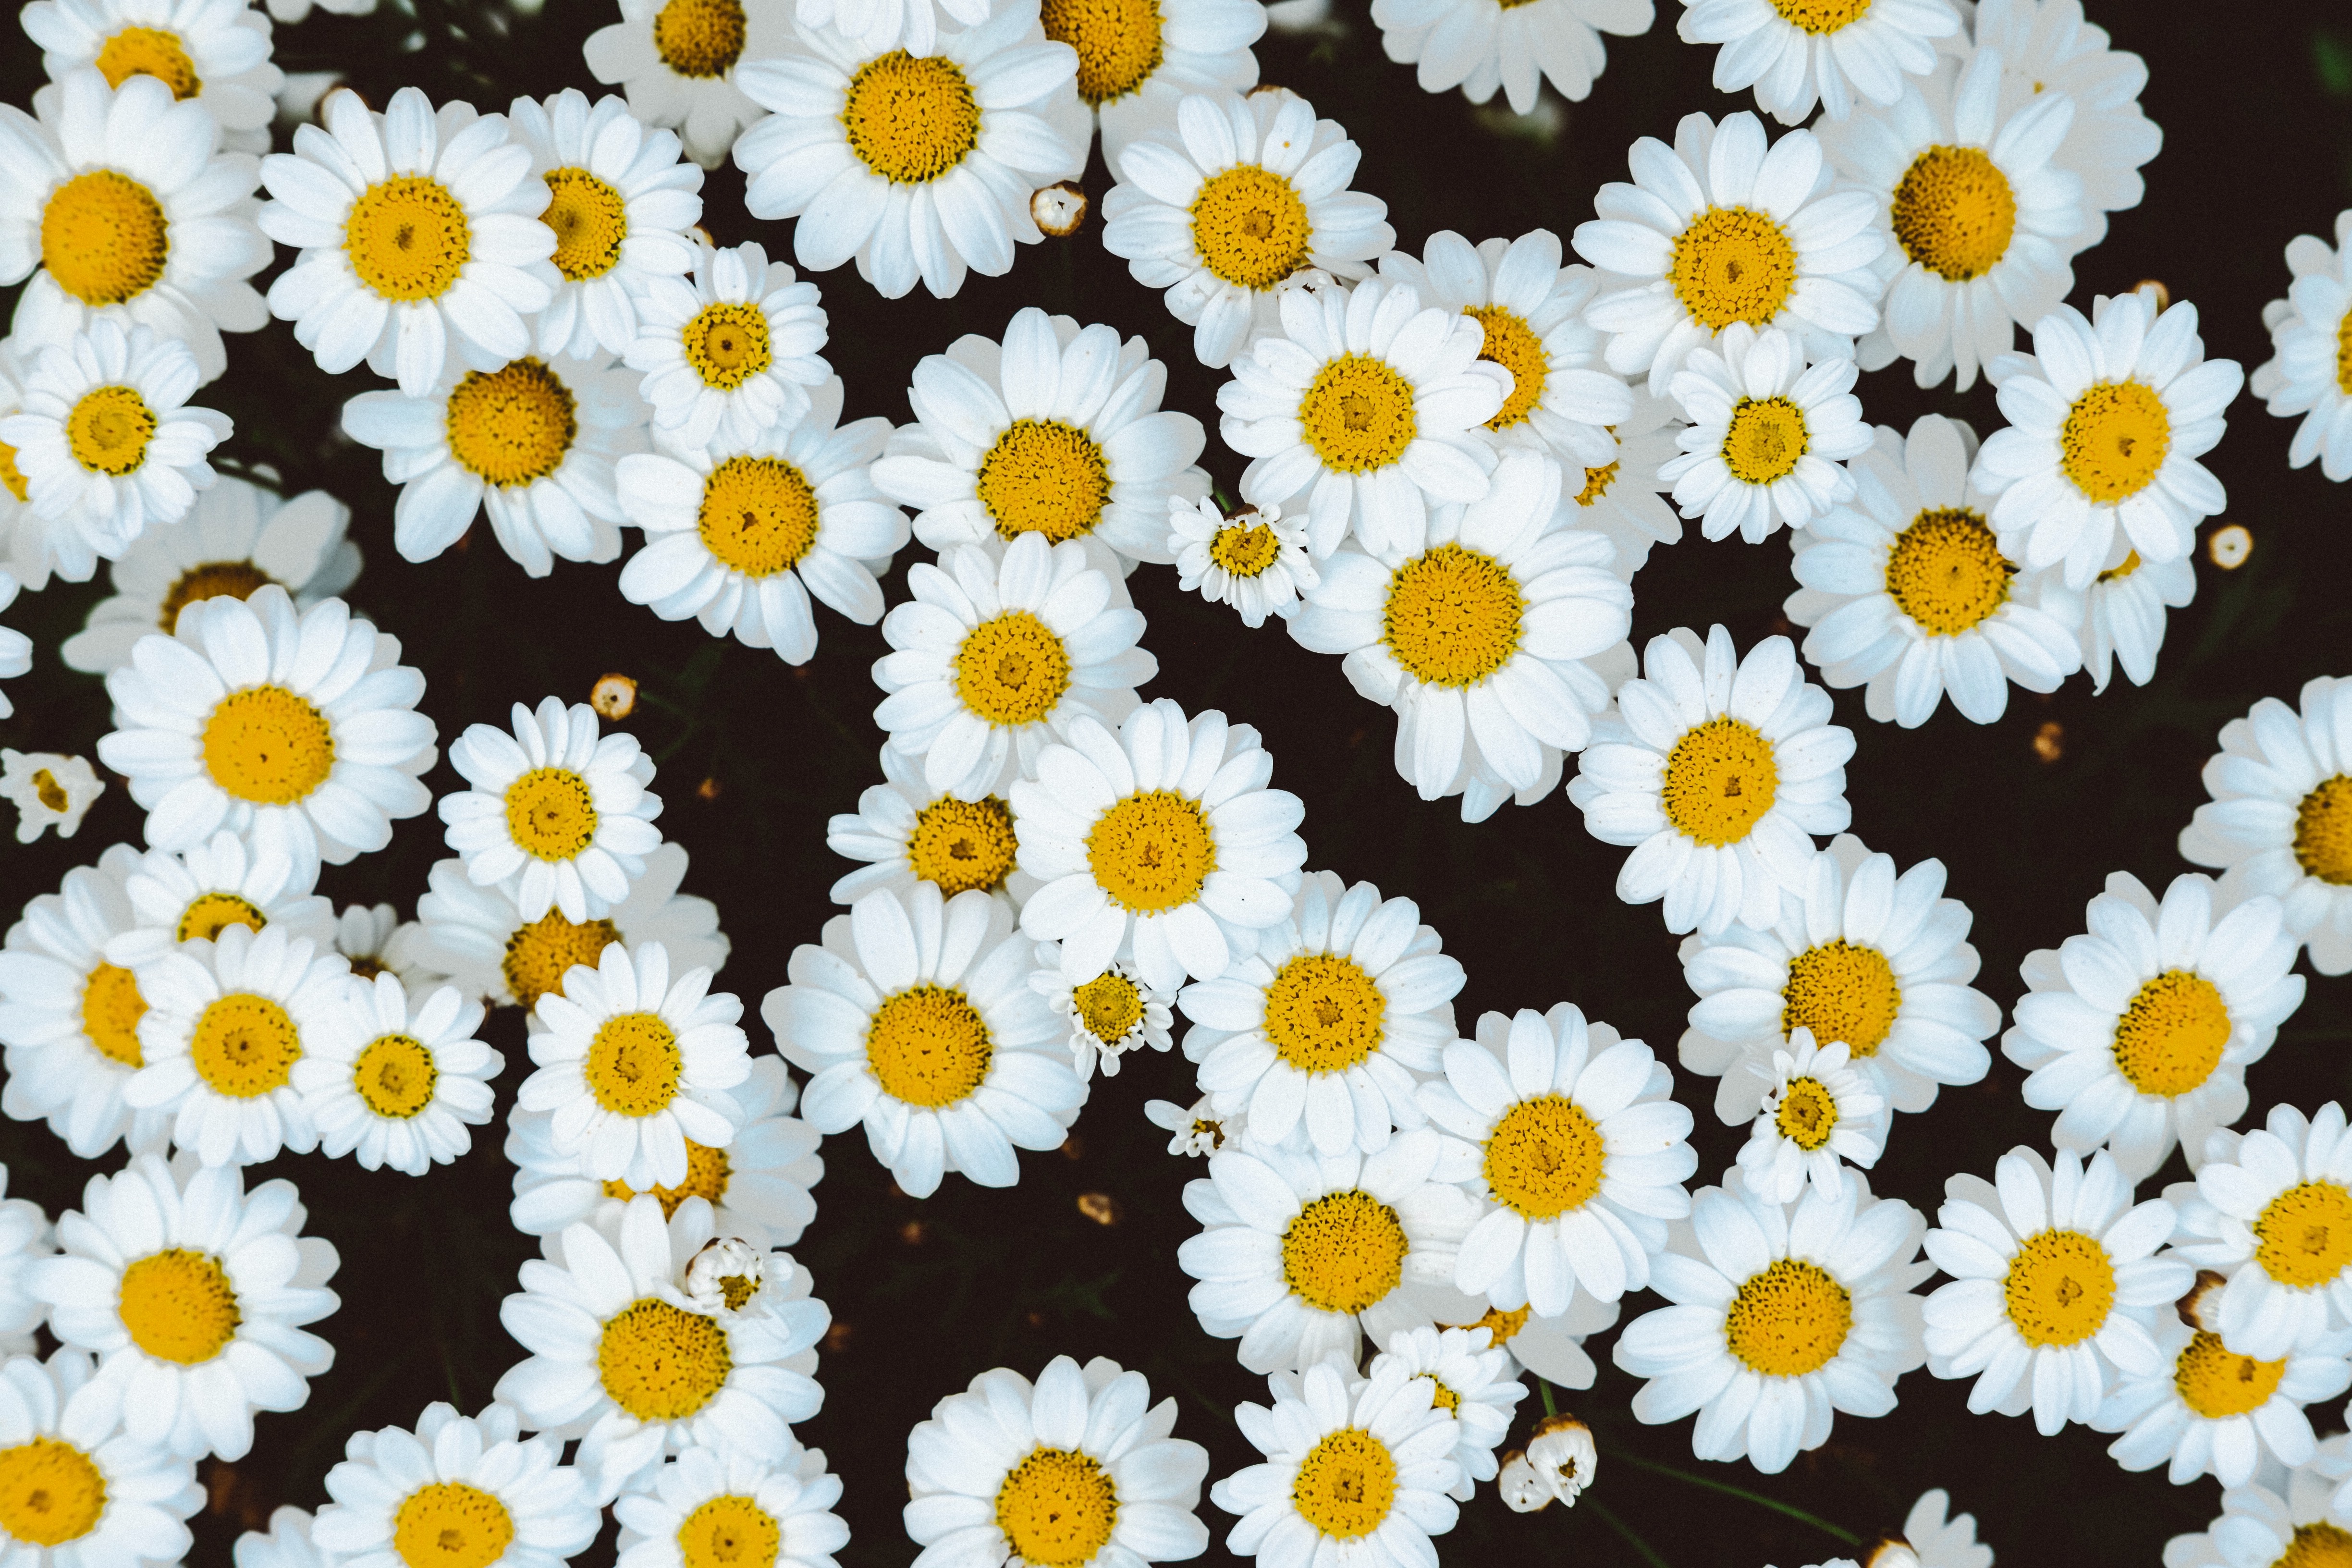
[
  {"x": 1551, "y": 1408},
  {"x": 1799, "y": 1515},
  {"x": 1621, "y": 1528}
]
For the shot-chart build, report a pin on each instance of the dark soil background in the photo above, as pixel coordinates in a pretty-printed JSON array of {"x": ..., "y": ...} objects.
[{"x": 2256, "y": 105}]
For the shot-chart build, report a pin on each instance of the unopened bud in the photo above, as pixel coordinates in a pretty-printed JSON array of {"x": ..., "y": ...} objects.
[
  {"x": 1058, "y": 209},
  {"x": 726, "y": 1273},
  {"x": 1564, "y": 1457},
  {"x": 1523, "y": 1490}
]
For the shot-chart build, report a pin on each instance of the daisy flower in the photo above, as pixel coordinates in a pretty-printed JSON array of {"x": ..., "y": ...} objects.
[
  {"x": 731, "y": 354},
  {"x": 885, "y": 23},
  {"x": 1225, "y": 205},
  {"x": 194, "y": 895},
  {"x": 1256, "y": 559},
  {"x": 1766, "y": 433},
  {"x": 1623, "y": 497},
  {"x": 1782, "y": 1315},
  {"x": 1910, "y": 598},
  {"x": 1198, "y": 1130},
  {"x": 298, "y": 730},
  {"x": 2046, "y": 47},
  {"x": 676, "y": 62},
  {"x": 2053, "y": 1288},
  {"x": 24, "y": 1239},
  {"x": 1077, "y": 1469},
  {"x": 1551, "y": 1348},
  {"x": 1136, "y": 64},
  {"x": 2138, "y": 1031},
  {"x": 193, "y": 1294},
  {"x": 1320, "y": 1032},
  {"x": 214, "y": 55},
  {"x": 2123, "y": 615},
  {"x": 622, "y": 1357},
  {"x": 558, "y": 817},
  {"x": 915, "y": 1017},
  {"x": 397, "y": 1081},
  {"x": 1941, "y": 1542},
  {"x": 78, "y": 1488},
  {"x": 907, "y": 832},
  {"x": 1300, "y": 1254},
  {"x": 2271, "y": 1520},
  {"x": 1105, "y": 1015},
  {"x": 1480, "y": 45},
  {"x": 1056, "y": 431},
  {"x": 2106, "y": 420},
  {"x": 15, "y": 647},
  {"x": 1716, "y": 770},
  {"x": 908, "y": 163},
  {"x": 473, "y": 1486},
  {"x": 2305, "y": 373},
  {"x": 1560, "y": 1461},
  {"x": 1718, "y": 228},
  {"x": 376, "y": 940},
  {"x": 1000, "y": 650},
  {"x": 287, "y": 1543},
  {"x": 1470, "y": 1381},
  {"x": 1838, "y": 52},
  {"x": 2272, "y": 1210},
  {"x": 2280, "y": 821},
  {"x": 48, "y": 790},
  {"x": 707, "y": 1502},
  {"x": 1823, "y": 1112}
]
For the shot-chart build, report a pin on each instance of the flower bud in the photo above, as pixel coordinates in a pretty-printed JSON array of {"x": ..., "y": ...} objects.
[
  {"x": 724, "y": 1275},
  {"x": 1563, "y": 1455}
]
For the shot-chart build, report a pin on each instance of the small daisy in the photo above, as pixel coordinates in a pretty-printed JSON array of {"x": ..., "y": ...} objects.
[
  {"x": 2295, "y": 1518},
  {"x": 1623, "y": 498},
  {"x": 732, "y": 353},
  {"x": 2139, "y": 1030},
  {"x": 2047, "y": 47},
  {"x": 915, "y": 1017},
  {"x": 213, "y": 54},
  {"x": 376, "y": 940},
  {"x": 907, "y": 832},
  {"x": 287, "y": 1543},
  {"x": 1077, "y": 1468},
  {"x": 1551, "y": 1348},
  {"x": 1941, "y": 1542},
  {"x": 909, "y": 164},
  {"x": 1256, "y": 559},
  {"x": 1470, "y": 1382},
  {"x": 193, "y": 1294},
  {"x": 78, "y": 1487},
  {"x": 1909, "y": 596},
  {"x": 1821, "y": 1113},
  {"x": 2307, "y": 373},
  {"x": 1766, "y": 435},
  {"x": 1104, "y": 1015},
  {"x": 1717, "y": 771},
  {"x": 1300, "y": 1256},
  {"x": 472, "y": 1486},
  {"x": 1136, "y": 64},
  {"x": 2054, "y": 1286},
  {"x": 678, "y": 65},
  {"x": 1223, "y": 206},
  {"x": 2123, "y": 615},
  {"x": 193, "y": 895},
  {"x": 1198, "y": 1131},
  {"x": 2272, "y": 1210},
  {"x": 296, "y": 729},
  {"x": 48, "y": 790},
  {"x": 1482, "y": 45},
  {"x": 415, "y": 225},
  {"x": 1320, "y": 1033},
  {"x": 2107, "y": 419},
  {"x": 1838, "y": 52},
  {"x": 709, "y": 1504},
  {"x": 999, "y": 651},
  {"x": 1717, "y": 229},
  {"x": 396, "y": 1083}
]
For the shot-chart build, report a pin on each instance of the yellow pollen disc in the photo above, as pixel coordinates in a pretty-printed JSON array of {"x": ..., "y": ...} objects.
[
  {"x": 244, "y": 1046},
  {"x": 759, "y": 515},
  {"x": 1733, "y": 264},
  {"x": 50, "y": 1493},
  {"x": 540, "y": 954},
  {"x": 394, "y": 1075},
  {"x": 2323, "y": 832},
  {"x": 1250, "y": 228},
  {"x": 2114, "y": 439},
  {"x": 111, "y": 1010},
  {"x": 2304, "y": 1236},
  {"x": 1454, "y": 616},
  {"x": 2216, "y": 1384},
  {"x": 700, "y": 38},
  {"x": 2318, "y": 1545},
  {"x": 1117, "y": 43},
  {"x": 550, "y": 814},
  {"x": 705, "y": 1178},
  {"x": 1056, "y": 1508},
  {"x": 1790, "y": 1320},
  {"x": 2170, "y": 1039},
  {"x": 407, "y": 237},
  {"x": 1844, "y": 994},
  {"x": 209, "y": 914},
  {"x": 178, "y": 1306},
  {"x": 1720, "y": 780},
  {"x": 2123, "y": 569},
  {"x": 912, "y": 119},
  {"x": 1443, "y": 1398},
  {"x": 730, "y": 1532},
  {"x": 1765, "y": 439},
  {"x": 13, "y": 477},
  {"x": 449, "y": 1524},
  {"x": 1821, "y": 16},
  {"x": 661, "y": 1362},
  {"x": 1345, "y": 1485},
  {"x": 1955, "y": 212},
  {"x": 1544, "y": 1158},
  {"x": 1151, "y": 851},
  {"x": 1045, "y": 477},
  {"x": 1344, "y": 1252},
  {"x": 213, "y": 580},
  {"x": 149, "y": 51},
  {"x": 961, "y": 845},
  {"x": 511, "y": 427},
  {"x": 49, "y": 792},
  {"x": 1501, "y": 1326},
  {"x": 727, "y": 344},
  {"x": 1513, "y": 345},
  {"x": 1110, "y": 1005},
  {"x": 1945, "y": 573},
  {"x": 1808, "y": 1113},
  {"x": 590, "y": 219},
  {"x": 2059, "y": 1288},
  {"x": 633, "y": 1064},
  {"x": 1012, "y": 670},
  {"x": 1244, "y": 549},
  {"x": 104, "y": 238},
  {"x": 108, "y": 429},
  {"x": 1358, "y": 413},
  {"x": 1596, "y": 484},
  {"x": 1323, "y": 1013},
  {"x": 928, "y": 1046},
  {"x": 2344, "y": 354}
]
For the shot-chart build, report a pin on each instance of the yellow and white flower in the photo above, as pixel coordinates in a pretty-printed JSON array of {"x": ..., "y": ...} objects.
[
  {"x": 48, "y": 789},
  {"x": 2272, "y": 1210},
  {"x": 1551, "y": 1348},
  {"x": 907, "y": 832},
  {"x": 1623, "y": 497},
  {"x": 193, "y": 895},
  {"x": 2267, "y": 1521},
  {"x": 1136, "y": 64},
  {"x": 396, "y": 1082},
  {"x": 1821, "y": 1113},
  {"x": 1103, "y": 1015},
  {"x": 1562, "y": 1460},
  {"x": 1838, "y": 53},
  {"x": 678, "y": 64},
  {"x": 24, "y": 1239},
  {"x": 1198, "y": 1131},
  {"x": 1768, "y": 434},
  {"x": 2124, "y": 616},
  {"x": 2046, "y": 46},
  {"x": 473, "y": 1487},
  {"x": 2307, "y": 373},
  {"x": 208, "y": 51},
  {"x": 288, "y": 1542},
  {"x": 709, "y": 1501},
  {"x": 731, "y": 354},
  {"x": 1482, "y": 45},
  {"x": 78, "y": 1487},
  {"x": 887, "y": 23},
  {"x": 1470, "y": 1381},
  {"x": 376, "y": 940},
  {"x": 1256, "y": 559}
]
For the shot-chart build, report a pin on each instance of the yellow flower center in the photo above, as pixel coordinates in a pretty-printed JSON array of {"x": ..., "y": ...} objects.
[
  {"x": 209, "y": 914},
  {"x": 1946, "y": 572},
  {"x": 1323, "y": 1013},
  {"x": 1544, "y": 1158},
  {"x": 961, "y": 845},
  {"x": 111, "y": 1010},
  {"x": 1765, "y": 440},
  {"x": 759, "y": 515},
  {"x": 1844, "y": 994},
  {"x": 1345, "y": 1485},
  {"x": 912, "y": 119},
  {"x": 2114, "y": 439},
  {"x": 2344, "y": 354},
  {"x": 107, "y": 430},
  {"x": 149, "y": 51},
  {"x": 1344, "y": 1251},
  {"x": 178, "y": 1306},
  {"x": 450, "y": 1524},
  {"x": 1790, "y": 1320},
  {"x": 2059, "y": 1288},
  {"x": 104, "y": 238},
  {"x": 2318, "y": 1545},
  {"x": 1358, "y": 413},
  {"x": 928, "y": 1046},
  {"x": 1045, "y": 477},
  {"x": 2302, "y": 1237},
  {"x": 730, "y": 1532},
  {"x": 1513, "y": 345},
  {"x": 13, "y": 477},
  {"x": 1454, "y": 616},
  {"x": 1821, "y": 16},
  {"x": 2171, "y": 1036},
  {"x": 511, "y": 427},
  {"x": 1720, "y": 780},
  {"x": 49, "y": 792},
  {"x": 1012, "y": 670},
  {"x": 1733, "y": 264},
  {"x": 590, "y": 219},
  {"x": 244, "y": 1046},
  {"x": 1596, "y": 484},
  {"x": 407, "y": 237},
  {"x": 541, "y": 952},
  {"x": 1056, "y": 1508},
  {"x": 633, "y": 1064},
  {"x": 1250, "y": 228},
  {"x": 2121, "y": 569},
  {"x": 707, "y": 1170},
  {"x": 2322, "y": 831},
  {"x": 50, "y": 1493},
  {"x": 1151, "y": 851},
  {"x": 395, "y": 1075},
  {"x": 212, "y": 580},
  {"x": 1955, "y": 212},
  {"x": 550, "y": 814},
  {"x": 1244, "y": 549},
  {"x": 1502, "y": 1326},
  {"x": 700, "y": 38},
  {"x": 1110, "y": 1005},
  {"x": 1443, "y": 1398},
  {"x": 727, "y": 344},
  {"x": 2216, "y": 1384},
  {"x": 1808, "y": 1113},
  {"x": 1118, "y": 42},
  {"x": 661, "y": 1362}
]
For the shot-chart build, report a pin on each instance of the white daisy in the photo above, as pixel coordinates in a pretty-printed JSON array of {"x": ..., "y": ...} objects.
[
  {"x": 1471, "y": 1382},
  {"x": 376, "y": 940},
  {"x": 1551, "y": 1348},
  {"x": 907, "y": 832},
  {"x": 678, "y": 65},
  {"x": 2053, "y": 1289},
  {"x": 1256, "y": 559},
  {"x": 1224, "y": 205},
  {"x": 1623, "y": 497},
  {"x": 298, "y": 10},
  {"x": 15, "y": 647},
  {"x": 1077, "y": 1469},
  {"x": 1198, "y": 1130},
  {"x": 2282, "y": 1515},
  {"x": 1941, "y": 1542},
  {"x": 2307, "y": 373},
  {"x": 396, "y": 1082},
  {"x": 2138, "y": 1031},
  {"x": 710, "y": 1502},
  {"x": 1768, "y": 434},
  {"x": 299, "y": 731},
  {"x": 287, "y": 1543},
  {"x": 886, "y": 24},
  {"x": 2045, "y": 46},
  {"x": 471, "y": 1487},
  {"x": 193, "y": 1293},
  {"x": 1910, "y": 598},
  {"x": 1105, "y": 1015},
  {"x": 1823, "y": 1112},
  {"x": 1838, "y": 52},
  {"x": 1560, "y": 1461},
  {"x": 24, "y": 1239},
  {"x": 1717, "y": 771},
  {"x": 2123, "y": 615},
  {"x": 193, "y": 895},
  {"x": 1136, "y": 64},
  {"x": 213, "y": 53},
  {"x": 26, "y": 543},
  {"x": 915, "y": 1017},
  {"x": 78, "y": 1487},
  {"x": 1482, "y": 45},
  {"x": 48, "y": 790},
  {"x": 732, "y": 353},
  {"x": 1717, "y": 229},
  {"x": 2272, "y": 1210}
]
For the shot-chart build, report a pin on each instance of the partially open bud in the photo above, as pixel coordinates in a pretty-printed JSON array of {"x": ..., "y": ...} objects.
[
  {"x": 613, "y": 696},
  {"x": 1058, "y": 209},
  {"x": 1892, "y": 1552},
  {"x": 1523, "y": 1490},
  {"x": 1563, "y": 1455},
  {"x": 724, "y": 1275}
]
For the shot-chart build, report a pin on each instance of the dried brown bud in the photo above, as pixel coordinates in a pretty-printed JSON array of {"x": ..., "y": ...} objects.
[
  {"x": 613, "y": 696},
  {"x": 1058, "y": 209},
  {"x": 2050, "y": 741},
  {"x": 1099, "y": 1207},
  {"x": 2228, "y": 546}
]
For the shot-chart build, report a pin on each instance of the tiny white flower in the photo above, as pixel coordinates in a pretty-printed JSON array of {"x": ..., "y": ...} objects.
[
  {"x": 1198, "y": 1130},
  {"x": 1470, "y": 1380},
  {"x": 48, "y": 790},
  {"x": 1256, "y": 560},
  {"x": 1821, "y": 1113},
  {"x": 1105, "y": 1015},
  {"x": 1767, "y": 435}
]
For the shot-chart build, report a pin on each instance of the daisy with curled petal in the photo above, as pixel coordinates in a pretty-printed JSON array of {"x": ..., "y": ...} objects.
[
  {"x": 1767, "y": 433},
  {"x": 2054, "y": 1284},
  {"x": 48, "y": 789},
  {"x": 2124, "y": 616},
  {"x": 1838, "y": 52},
  {"x": 707, "y": 1502},
  {"x": 731, "y": 353},
  {"x": 1470, "y": 1380},
  {"x": 2046, "y": 47},
  {"x": 2138, "y": 1031},
  {"x": 2305, "y": 373},
  {"x": 1719, "y": 229},
  {"x": 1482, "y": 45},
  {"x": 211, "y": 53},
  {"x": 195, "y": 894},
  {"x": 2293, "y": 1517},
  {"x": 193, "y": 1294},
  {"x": 2272, "y": 1210},
  {"x": 1077, "y": 1468},
  {"x": 395, "y": 1081},
  {"x": 1256, "y": 559},
  {"x": 1821, "y": 1113},
  {"x": 678, "y": 64},
  {"x": 1103, "y": 1015},
  {"x": 79, "y": 1488},
  {"x": 472, "y": 1486},
  {"x": 1717, "y": 770},
  {"x": 905, "y": 832}
]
